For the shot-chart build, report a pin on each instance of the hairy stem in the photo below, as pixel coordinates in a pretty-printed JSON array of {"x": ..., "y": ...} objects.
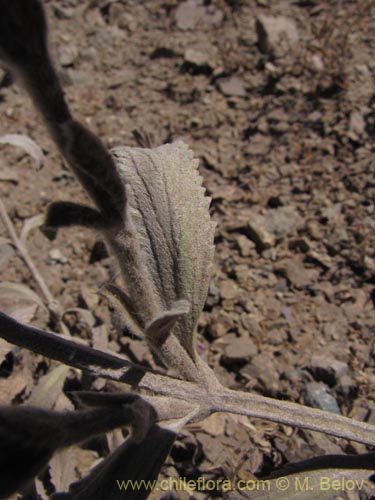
[
  {"x": 284, "y": 412},
  {"x": 218, "y": 399}
]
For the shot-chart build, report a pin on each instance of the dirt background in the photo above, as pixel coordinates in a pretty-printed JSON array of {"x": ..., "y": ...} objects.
[{"x": 281, "y": 113}]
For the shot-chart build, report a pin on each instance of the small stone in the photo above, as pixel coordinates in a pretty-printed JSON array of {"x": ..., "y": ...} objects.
[
  {"x": 262, "y": 368},
  {"x": 193, "y": 13},
  {"x": 202, "y": 57},
  {"x": 217, "y": 329},
  {"x": 77, "y": 77},
  {"x": 68, "y": 54},
  {"x": 188, "y": 14},
  {"x": 245, "y": 245},
  {"x": 347, "y": 386},
  {"x": 327, "y": 370},
  {"x": 297, "y": 274},
  {"x": 232, "y": 86},
  {"x": 369, "y": 263},
  {"x": 317, "y": 62},
  {"x": 62, "y": 12},
  {"x": 315, "y": 231},
  {"x": 197, "y": 57},
  {"x": 276, "y": 34},
  {"x": 251, "y": 325},
  {"x": 319, "y": 396},
  {"x": 357, "y": 124},
  {"x": 240, "y": 349},
  {"x": 266, "y": 229},
  {"x": 259, "y": 144},
  {"x": 116, "y": 14},
  {"x": 55, "y": 256},
  {"x": 228, "y": 289},
  {"x": 213, "y": 297},
  {"x": 261, "y": 237},
  {"x": 228, "y": 193}
]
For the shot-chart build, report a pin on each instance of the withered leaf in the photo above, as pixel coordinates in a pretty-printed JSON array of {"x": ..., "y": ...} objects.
[
  {"x": 49, "y": 388},
  {"x": 29, "y": 225},
  {"x": 19, "y": 291},
  {"x": 62, "y": 469},
  {"x": 26, "y": 143}
]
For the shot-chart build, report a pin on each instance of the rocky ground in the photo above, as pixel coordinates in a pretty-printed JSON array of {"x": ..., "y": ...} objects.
[{"x": 277, "y": 100}]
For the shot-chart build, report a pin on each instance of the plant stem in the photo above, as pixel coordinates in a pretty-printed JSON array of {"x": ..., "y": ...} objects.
[
  {"x": 217, "y": 399},
  {"x": 285, "y": 412},
  {"x": 22, "y": 250}
]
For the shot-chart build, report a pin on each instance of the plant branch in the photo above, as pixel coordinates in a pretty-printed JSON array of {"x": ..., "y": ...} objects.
[
  {"x": 285, "y": 412},
  {"x": 52, "y": 304},
  {"x": 218, "y": 399},
  {"x": 96, "y": 362}
]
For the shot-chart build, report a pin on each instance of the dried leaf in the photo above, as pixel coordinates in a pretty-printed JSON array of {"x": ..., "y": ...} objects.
[
  {"x": 18, "y": 291},
  {"x": 86, "y": 459},
  {"x": 29, "y": 225},
  {"x": 100, "y": 338},
  {"x": 214, "y": 424},
  {"x": 13, "y": 386},
  {"x": 112, "y": 478},
  {"x": 27, "y": 144},
  {"x": 49, "y": 388},
  {"x": 168, "y": 207},
  {"x": 83, "y": 315},
  {"x": 24, "y": 314},
  {"x": 40, "y": 489},
  {"x": 5, "y": 347},
  {"x": 62, "y": 469}
]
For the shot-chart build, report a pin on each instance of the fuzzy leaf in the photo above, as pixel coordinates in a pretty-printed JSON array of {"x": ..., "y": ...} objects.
[
  {"x": 168, "y": 207},
  {"x": 320, "y": 478},
  {"x": 132, "y": 462},
  {"x": 65, "y": 213},
  {"x": 29, "y": 436}
]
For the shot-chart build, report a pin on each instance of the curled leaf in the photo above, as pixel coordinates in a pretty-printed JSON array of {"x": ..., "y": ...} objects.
[
  {"x": 29, "y": 225},
  {"x": 169, "y": 211},
  {"x": 49, "y": 388},
  {"x": 21, "y": 296},
  {"x": 27, "y": 144}
]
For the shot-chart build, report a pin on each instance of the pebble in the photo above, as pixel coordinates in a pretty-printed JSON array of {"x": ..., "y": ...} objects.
[
  {"x": 327, "y": 369},
  {"x": 228, "y": 289},
  {"x": 319, "y": 396},
  {"x": 239, "y": 349},
  {"x": 55, "y": 256},
  {"x": 276, "y": 34},
  {"x": 232, "y": 86}
]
